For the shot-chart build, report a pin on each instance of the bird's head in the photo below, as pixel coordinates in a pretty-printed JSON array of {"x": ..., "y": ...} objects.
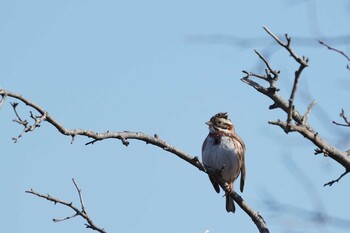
[{"x": 220, "y": 122}]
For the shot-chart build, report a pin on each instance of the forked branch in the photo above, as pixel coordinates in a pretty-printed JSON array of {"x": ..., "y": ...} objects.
[
  {"x": 77, "y": 212},
  {"x": 345, "y": 119}
]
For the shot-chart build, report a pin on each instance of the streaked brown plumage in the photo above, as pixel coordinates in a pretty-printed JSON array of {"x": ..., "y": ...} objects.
[{"x": 223, "y": 152}]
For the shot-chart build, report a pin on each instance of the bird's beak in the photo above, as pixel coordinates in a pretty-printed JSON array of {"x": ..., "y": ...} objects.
[{"x": 209, "y": 123}]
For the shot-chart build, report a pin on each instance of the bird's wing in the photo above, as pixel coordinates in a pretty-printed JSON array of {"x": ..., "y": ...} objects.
[
  {"x": 215, "y": 184},
  {"x": 242, "y": 176}
]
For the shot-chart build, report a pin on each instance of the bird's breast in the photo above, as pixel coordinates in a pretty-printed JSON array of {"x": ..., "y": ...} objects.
[{"x": 221, "y": 154}]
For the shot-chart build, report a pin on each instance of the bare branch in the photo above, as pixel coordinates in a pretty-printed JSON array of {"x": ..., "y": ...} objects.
[
  {"x": 295, "y": 122},
  {"x": 25, "y": 123},
  {"x": 334, "y": 49},
  {"x": 82, "y": 213},
  {"x": 342, "y": 115},
  {"x": 258, "y": 87},
  {"x": 330, "y": 183},
  {"x": 124, "y": 136},
  {"x": 270, "y": 70},
  {"x": 307, "y": 113},
  {"x": 295, "y": 87},
  {"x": 80, "y": 196},
  {"x": 256, "y": 75},
  {"x": 255, "y": 216},
  {"x": 271, "y": 77},
  {"x": 302, "y": 61},
  {"x": 338, "y": 51},
  {"x": 64, "y": 219}
]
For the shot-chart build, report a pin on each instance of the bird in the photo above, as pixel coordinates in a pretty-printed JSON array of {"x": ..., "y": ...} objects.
[{"x": 223, "y": 156}]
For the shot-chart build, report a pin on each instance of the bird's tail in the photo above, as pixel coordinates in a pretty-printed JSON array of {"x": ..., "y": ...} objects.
[{"x": 230, "y": 205}]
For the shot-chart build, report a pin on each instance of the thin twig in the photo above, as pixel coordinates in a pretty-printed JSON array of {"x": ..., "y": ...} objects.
[
  {"x": 334, "y": 49},
  {"x": 287, "y": 47},
  {"x": 80, "y": 196},
  {"x": 274, "y": 72},
  {"x": 64, "y": 219},
  {"x": 251, "y": 74},
  {"x": 342, "y": 115},
  {"x": 307, "y": 113},
  {"x": 27, "y": 127},
  {"x": 338, "y": 51},
  {"x": 340, "y": 124},
  {"x": 330, "y": 183},
  {"x": 83, "y": 213},
  {"x": 294, "y": 89}
]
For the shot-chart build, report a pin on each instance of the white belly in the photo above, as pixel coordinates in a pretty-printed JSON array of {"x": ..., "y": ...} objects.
[{"x": 221, "y": 155}]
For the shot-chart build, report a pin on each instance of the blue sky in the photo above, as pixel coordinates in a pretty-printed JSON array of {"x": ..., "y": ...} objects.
[{"x": 134, "y": 65}]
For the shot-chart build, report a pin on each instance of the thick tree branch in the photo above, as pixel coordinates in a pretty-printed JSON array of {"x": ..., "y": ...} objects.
[
  {"x": 82, "y": 213},
  {"x": 123, "y": 137},
  {"x": 295, "y": 121}
]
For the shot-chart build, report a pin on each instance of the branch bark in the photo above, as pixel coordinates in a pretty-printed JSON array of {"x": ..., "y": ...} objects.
[{"x": 123, "y": 136}]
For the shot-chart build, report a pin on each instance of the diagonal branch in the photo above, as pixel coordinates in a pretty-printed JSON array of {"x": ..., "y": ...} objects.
[
  {"x": 255, "y": 216},
  {"x": 334, "y": 49},
  {"x": 124, "y": 136},
  {"x": 308, "y": 111},
  {"x": 338, "y": 51},
  {"x": 82, "y": 213},
  {"x": 330, "y": 183}
]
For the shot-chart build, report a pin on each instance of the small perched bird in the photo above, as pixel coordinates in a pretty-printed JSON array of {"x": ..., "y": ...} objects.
[{"x": 223, "y": 154}]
